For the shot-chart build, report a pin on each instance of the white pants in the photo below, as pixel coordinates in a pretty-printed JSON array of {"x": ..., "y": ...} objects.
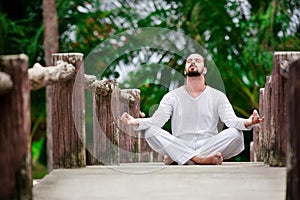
[{"x": 230, "y": 142}]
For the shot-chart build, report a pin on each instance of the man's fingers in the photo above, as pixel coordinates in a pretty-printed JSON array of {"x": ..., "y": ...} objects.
[
  {"x": 255, "y": 113},
  {"x": 261, "y": 119}
]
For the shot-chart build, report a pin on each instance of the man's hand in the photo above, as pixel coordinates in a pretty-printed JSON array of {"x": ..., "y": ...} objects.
[
  {"x": 127, "y": 119},
  {"x": 253, "y": 119}
]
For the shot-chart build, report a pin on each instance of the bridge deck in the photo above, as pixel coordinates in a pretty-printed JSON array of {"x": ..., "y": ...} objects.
[{"x": 155, "y": 181}]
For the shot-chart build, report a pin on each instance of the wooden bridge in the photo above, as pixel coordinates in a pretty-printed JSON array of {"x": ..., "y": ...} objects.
[{"x": 130, "y": 168}]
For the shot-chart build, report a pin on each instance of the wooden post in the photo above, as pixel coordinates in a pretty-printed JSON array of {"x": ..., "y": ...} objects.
[
  {"x": 267, "y": 122},
  {"x": 256, "y": 144},
  {"x": 293, "y": 150},
  {"x": 66, "y": 144},
  {"x": 279, "y": 113},
  {"x": 129, "y": 139},
  {"x": 260, "y": 133},
  {"x": 15, "y": 144},
  {"x": 105, "y": 137}
]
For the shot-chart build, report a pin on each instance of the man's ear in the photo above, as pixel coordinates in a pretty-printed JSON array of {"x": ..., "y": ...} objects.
[
  {"x": 204, "y": 70},
  {"x": 184, "y": 72}
]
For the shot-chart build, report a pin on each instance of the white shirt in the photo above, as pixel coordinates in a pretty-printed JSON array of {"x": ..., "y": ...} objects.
[{"x": 194, "y": 118}]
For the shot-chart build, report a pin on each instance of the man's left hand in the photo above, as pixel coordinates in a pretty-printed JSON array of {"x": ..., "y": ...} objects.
[{"x": 253, "y": 119}]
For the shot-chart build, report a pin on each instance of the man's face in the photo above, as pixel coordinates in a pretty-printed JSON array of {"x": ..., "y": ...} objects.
[{"x": 194, "y": 65}]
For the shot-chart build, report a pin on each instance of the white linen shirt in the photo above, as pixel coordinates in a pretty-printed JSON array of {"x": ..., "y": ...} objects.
[{"x": 194, "y": 118}]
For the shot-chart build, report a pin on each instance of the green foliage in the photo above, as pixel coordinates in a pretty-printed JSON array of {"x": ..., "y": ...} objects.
[
  {"x": 39, "y": 159},
  {"x": 22, "y": 32}
]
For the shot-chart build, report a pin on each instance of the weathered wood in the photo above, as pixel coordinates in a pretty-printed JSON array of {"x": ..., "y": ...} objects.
[
  {"x": 278, "y": 129},
  {"x": 15, "y": 154},
  {"x": 105, "y": 136},
  {"x": 267, "y": 121},
  {"x": 252, "y": 151},
  {"x": 284, "y": 68},
  {"x": 129, "y": 139},
  {"x": 6, "y": 83},
  {"x": 255, "y": 145},
  {"x": 260, "y": 133},
  {"x": 157, "y": 157},
  {"x": 66, "y": 142},
  {"x": 40, "y": 76},
  {"x": 104, "y": 87},
  {"x": 293, "y": 155}
]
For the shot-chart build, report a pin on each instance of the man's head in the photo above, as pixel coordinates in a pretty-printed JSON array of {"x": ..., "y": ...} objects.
[{"x": 195, "y": 65}]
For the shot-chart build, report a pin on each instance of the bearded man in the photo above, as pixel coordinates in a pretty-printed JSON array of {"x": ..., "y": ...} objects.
[{"x": 195, "y": 110}]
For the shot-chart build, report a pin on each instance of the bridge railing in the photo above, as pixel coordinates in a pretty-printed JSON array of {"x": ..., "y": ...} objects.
[
  {"x": 276, "y": 141},
  {"x": 270, "y": 138},
  {"x": 66, "y": 134}
]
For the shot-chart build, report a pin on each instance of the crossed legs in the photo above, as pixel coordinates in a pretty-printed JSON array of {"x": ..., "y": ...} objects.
[{"x": 210, "y": 151}]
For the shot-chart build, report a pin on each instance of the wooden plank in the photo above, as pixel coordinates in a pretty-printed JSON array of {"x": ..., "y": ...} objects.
[
  {"x": 66, "y": 147},
  {"x": 15, "y": 154},
  {"x": 293, "y": 155}
]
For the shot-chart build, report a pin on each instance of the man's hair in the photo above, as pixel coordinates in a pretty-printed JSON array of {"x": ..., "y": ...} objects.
[{"x": 203, "y": 56}]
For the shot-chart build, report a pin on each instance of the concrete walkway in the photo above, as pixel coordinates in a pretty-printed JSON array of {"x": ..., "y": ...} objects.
[{"x": 155, "y": 181}]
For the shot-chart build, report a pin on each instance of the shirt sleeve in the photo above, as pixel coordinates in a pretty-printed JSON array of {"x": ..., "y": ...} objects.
[
  {"x": 228, "y": 116},
  {"x": 160, "y": 116}
]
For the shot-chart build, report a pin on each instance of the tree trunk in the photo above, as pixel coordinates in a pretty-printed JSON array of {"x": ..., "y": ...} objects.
[
  {"x": 15, "y": 144},
  {"x": 51, "y": 35},
  {"x": 51, "y": 45}
]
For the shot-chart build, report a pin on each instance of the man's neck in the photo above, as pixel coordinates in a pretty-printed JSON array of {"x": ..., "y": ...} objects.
[{"x": 195, "y": 85}]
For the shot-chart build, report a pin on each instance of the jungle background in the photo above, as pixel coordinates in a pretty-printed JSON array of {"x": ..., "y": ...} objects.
[{"x": 240, "y": 36}]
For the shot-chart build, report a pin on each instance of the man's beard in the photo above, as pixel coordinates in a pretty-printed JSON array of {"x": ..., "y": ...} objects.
[{"x": 193, "y": 73}]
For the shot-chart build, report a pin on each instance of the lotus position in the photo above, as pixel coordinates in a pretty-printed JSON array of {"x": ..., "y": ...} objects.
[{"x": 195, "y": 110}]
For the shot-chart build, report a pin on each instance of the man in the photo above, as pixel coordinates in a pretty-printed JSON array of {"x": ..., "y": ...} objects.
[{"x": 195, "y": 109}]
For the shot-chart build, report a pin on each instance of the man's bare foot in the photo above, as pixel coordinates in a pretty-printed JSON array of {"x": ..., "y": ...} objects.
[
  {"x": 214, "y": 159},
  {"x": 168, "y": 160}
]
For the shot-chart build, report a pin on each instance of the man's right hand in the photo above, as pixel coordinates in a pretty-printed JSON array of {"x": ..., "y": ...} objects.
[{"x": 127, "y": 119}]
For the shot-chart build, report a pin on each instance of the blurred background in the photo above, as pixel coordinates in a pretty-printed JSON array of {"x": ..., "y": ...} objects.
[{"x": 240, "y": 36}]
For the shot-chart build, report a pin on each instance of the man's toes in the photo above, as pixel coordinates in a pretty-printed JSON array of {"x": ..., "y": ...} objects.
[
  {"x": 166, "y": 159},
  {"x": 220, "y": 158}
]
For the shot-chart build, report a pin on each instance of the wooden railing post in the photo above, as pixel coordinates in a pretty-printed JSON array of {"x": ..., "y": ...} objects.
[
  {"x": 66, "y": 144},
  {"x": 267, "y": 122},
  {"x": 15, "y": 144},
  {"x": 105, "y": 136},
  {"x": 130, "y": 139},
  {"x": 279, "y": 121},
  {"x": 293, "y": 158},
  {"x": 255, "y": 145}
]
